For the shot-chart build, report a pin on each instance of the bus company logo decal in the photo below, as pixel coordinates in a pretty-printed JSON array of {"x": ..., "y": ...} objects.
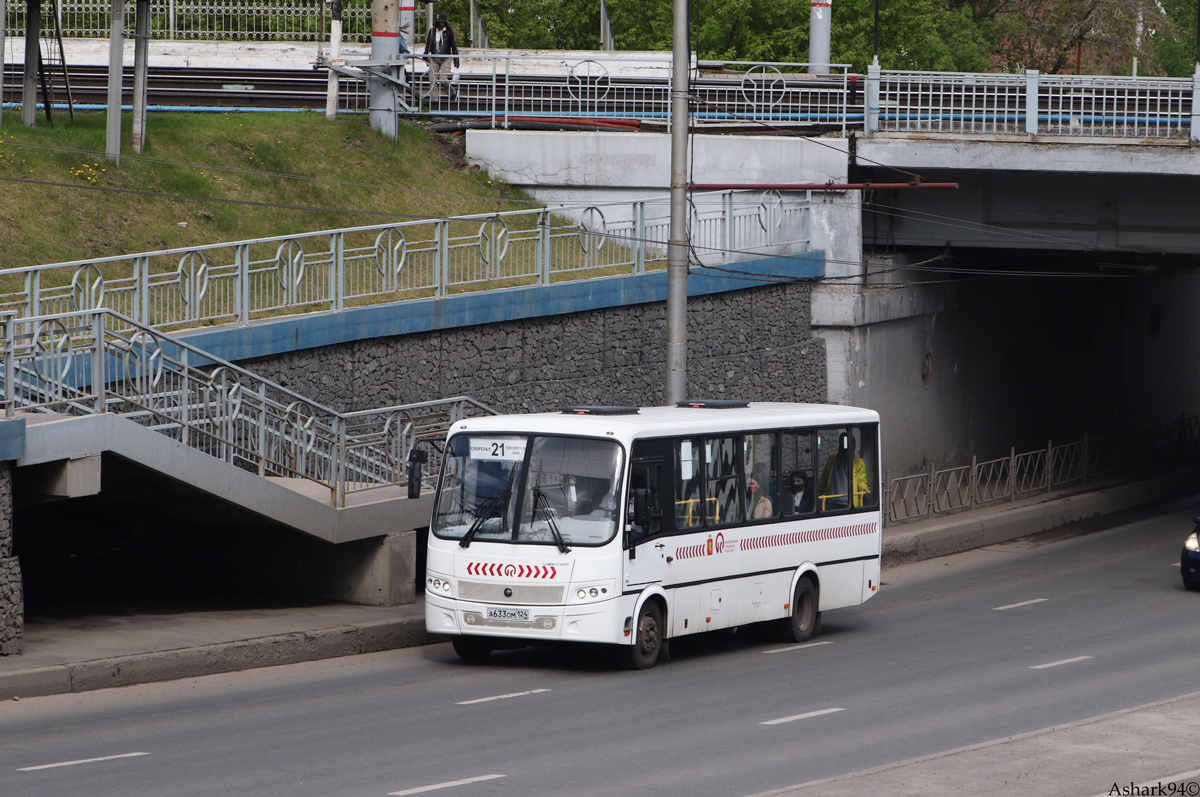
[
  {"x": 710, "y": 547},
  {"x": 511, "y": 571},
  {"x": 815, "y": 535}
]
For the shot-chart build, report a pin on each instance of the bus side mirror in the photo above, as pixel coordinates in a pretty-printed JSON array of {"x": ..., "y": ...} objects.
[{"x": 416, "y": 458}]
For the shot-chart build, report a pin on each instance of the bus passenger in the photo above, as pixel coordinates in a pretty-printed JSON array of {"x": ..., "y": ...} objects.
[
  {"x": 802, "y": 500},
  {"x": 759, "y": 504},
  {"x": 836, "y": 482}
]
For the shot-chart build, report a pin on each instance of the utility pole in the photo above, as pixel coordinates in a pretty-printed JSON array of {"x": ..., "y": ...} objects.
[
  {"x": 33, "y": 54},
  {"x": 116, "y": 46},
  {"x": 141, "y": 67},
  {"x": 677, "y": 248},
  {"x": 385, "y": 46},
  {"x": 335, "y": 52},
  {"x": 3, "y": 33},
  {"x": 820, "y": 24},
  {"x": 876, "y": 31}
]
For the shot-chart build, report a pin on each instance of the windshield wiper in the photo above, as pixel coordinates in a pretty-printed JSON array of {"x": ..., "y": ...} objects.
[
  {"x": 487, "y": 510},
  {"x": 540, "y": 501}
]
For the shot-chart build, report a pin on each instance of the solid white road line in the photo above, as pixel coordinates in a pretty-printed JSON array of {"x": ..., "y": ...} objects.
[
  {"x": 1056, "y": 663},
  {"x": 501, "y": 697},
  {"x": 782, "y": 720},
  {"x": 1022, "y": 603},
  {"x": 446, "y": 785},
  {"x": 798, "y": 647},
  {"x": 80, "y": 761}
]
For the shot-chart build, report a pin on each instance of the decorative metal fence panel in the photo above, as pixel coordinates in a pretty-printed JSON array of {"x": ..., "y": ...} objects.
[
  {"x": 943, "y": 102},
  {"x": 218, "y": 20},
  {"x": 1075, "y": 105},
  {"x": 1030, "y": 104},
  {"x": 99, "y": 361},
  {"x": 505, "y": 88},
  {"x": 245, "y": 281},
  {"x": 1017, "y": 475}
]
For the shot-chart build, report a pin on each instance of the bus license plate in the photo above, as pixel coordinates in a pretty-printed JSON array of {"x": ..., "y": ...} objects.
[{"x": 496, "y": 613}]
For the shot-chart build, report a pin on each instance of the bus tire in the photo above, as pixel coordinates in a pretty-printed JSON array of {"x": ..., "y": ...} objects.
[
  {"x": 802, "y": 622},
  {"x": 471, "y": 648},
  {"x": 648, "y": 637}
]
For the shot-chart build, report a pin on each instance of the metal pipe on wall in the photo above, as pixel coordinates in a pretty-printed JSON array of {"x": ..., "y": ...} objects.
[{"x": 820, "y": 24}]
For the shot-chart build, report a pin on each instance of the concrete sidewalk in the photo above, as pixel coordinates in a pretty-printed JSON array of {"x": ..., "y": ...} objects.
[
  {"x": 120, "y": 646},
  {"x": 1142, "y": 747}
]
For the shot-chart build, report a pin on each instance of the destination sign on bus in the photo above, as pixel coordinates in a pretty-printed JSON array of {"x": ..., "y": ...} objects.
[{"x": 504, "y": 449}]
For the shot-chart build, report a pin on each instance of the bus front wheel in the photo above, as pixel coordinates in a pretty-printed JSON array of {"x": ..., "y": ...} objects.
[
  {"x": 802, "y": 622},
  {"x": 647, "y": 643},
  {"x": 471, "y": 648}
]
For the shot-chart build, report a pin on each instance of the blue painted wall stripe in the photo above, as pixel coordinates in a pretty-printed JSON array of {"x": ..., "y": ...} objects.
[{"x": 267, "y": 338}]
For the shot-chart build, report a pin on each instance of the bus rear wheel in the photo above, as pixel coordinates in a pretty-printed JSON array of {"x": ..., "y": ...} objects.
[
  {"x": 648, "y": 637},
  {"x": 471, "y": 648},
  {"x": 800, "y": 625}
]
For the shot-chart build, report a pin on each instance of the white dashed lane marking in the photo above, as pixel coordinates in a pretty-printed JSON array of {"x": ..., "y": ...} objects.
[
  {"x": 797, "y": 647},
  {"x": 80, "y": 761},
  {"x": 805, "y": 716},
  {"x": 1057, "y": 663},
  {"x": 447, "y": 785},
  {"x": 501, "y": 697},
  {"x": 1017, "y": 605}
]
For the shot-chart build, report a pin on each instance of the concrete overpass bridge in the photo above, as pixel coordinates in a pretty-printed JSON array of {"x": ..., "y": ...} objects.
[{"x": 1049, "y": 312}]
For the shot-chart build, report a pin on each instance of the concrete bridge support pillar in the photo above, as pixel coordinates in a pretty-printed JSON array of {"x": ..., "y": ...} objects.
[{"x": 12, "y": 601}]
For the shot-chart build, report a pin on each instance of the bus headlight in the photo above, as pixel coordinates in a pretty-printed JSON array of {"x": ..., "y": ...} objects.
[
  {"x": 438, "y": 585},
  {"x": 581, "y": 594}
]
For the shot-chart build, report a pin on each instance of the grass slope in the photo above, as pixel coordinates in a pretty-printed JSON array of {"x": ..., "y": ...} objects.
[{"x": 89, "y": 211}]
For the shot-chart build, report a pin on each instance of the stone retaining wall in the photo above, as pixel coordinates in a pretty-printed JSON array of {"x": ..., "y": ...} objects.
[
  {"x": 754, "y": 344},
  {"x": 12, "y": 600}
]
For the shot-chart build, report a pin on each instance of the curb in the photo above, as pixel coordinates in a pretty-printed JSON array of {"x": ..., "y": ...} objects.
[
  {"x": 222, "y": 657},
  {"x": 981, "y": 528}
]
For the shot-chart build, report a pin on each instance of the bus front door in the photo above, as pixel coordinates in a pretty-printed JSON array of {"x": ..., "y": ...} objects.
[{"x": 645, "y": 549}]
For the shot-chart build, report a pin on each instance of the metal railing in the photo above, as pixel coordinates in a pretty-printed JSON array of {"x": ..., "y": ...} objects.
[
  {"x": 218, "y": 20},
  {"x": 503, "y": 87},
  {"x": 100, "y": 361},
  {"x": 965, "y": 487},
  {"x": 1032, "y": 104},
  {"x": 331, "y": 270}
]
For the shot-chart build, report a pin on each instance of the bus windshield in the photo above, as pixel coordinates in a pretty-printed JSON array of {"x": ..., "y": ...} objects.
[{"x": 529, "y": 489}]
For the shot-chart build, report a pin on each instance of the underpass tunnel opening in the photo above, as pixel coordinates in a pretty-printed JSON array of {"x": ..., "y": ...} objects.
[
  {"x": 1025, "y": 308},
  {"x": 148, "y": 543},
  {"x": 1003, "y": 360}
]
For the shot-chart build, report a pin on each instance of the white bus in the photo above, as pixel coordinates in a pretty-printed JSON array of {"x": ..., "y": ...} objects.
[{"x": 633, "y": 526}]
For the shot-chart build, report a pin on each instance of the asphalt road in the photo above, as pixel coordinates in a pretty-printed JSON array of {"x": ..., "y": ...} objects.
[{"x": 933, "y": 663}]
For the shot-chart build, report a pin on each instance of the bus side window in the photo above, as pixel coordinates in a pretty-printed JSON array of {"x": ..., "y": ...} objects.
[
  {"x": 844, "y": 482},
  {"x": 689, "y": 512},
  {"x": 724, "y": 499},
  {"x": 867, "y": 438},
  {"x": 799, "y": 484}
]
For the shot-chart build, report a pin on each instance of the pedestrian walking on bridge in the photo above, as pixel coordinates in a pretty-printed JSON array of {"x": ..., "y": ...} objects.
[{"x": 440, "y": 44}]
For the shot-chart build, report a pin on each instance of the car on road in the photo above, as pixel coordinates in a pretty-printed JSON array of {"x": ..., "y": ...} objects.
[{"x": 1189, "y": 560}]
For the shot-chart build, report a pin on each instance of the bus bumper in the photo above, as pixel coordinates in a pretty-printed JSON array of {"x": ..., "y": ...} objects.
[{"x": 602, "y": 621}]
